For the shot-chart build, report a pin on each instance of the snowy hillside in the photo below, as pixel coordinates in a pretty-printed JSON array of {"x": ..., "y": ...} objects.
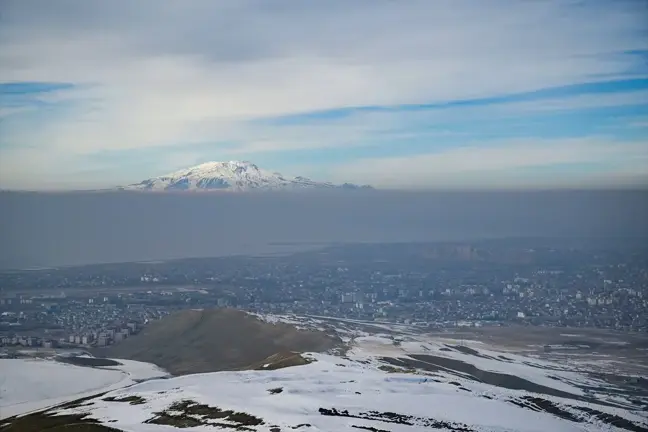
[
  {"x": 389, "y": 378},
  {"x": 31, "y": 384},
  {"x": 231, "y": 176},
  {"x": 335, "y": 394}
]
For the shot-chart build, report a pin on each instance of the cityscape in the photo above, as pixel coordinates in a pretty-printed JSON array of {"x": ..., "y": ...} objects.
[
  {"x": 334, "y": 216},
  {"x": 425, "y": 285}
]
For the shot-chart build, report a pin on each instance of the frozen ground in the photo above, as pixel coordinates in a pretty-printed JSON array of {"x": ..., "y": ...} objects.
[
  {"x": 331, "y": 394},
  {"x": 32, "y": 384},
  {"x": 388, "y": 380}
]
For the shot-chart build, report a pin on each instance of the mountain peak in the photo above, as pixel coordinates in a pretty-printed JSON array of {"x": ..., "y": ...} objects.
[
  {"x": 216, "y": 166},
  {"x": 231, "y": 176}
]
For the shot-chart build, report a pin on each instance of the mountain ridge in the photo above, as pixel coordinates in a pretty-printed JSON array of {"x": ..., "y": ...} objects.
[{"x": 232, "y": 176}]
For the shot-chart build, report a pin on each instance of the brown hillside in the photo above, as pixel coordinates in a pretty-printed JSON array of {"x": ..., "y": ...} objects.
[{"x": 195, "y": 341}]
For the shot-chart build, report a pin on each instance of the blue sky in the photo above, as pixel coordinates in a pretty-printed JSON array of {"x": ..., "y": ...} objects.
[{"x": 416, "y": 94}]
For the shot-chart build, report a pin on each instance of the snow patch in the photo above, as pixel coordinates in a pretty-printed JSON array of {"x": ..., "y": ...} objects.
[{"x": 32, "y": 384}]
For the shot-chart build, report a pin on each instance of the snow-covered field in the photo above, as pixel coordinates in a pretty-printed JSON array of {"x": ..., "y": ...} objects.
[
  {"x": 362, "y": 395},
  {"x": 372, "y": 339},
  {"x": 387, "y": 380},
  {"x": 31, "y": 384}
]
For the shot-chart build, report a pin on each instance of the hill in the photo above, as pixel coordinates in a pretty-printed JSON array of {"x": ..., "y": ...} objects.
[{"x": 196, "y": 341}]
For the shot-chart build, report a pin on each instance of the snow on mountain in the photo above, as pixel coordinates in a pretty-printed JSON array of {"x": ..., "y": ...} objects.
[{"x": 231, "y": 176}]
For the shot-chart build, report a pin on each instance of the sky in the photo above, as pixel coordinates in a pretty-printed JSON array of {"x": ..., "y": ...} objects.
[{"x": 415, "y": 94}]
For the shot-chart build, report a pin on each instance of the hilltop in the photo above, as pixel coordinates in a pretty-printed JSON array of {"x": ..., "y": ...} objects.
[{"x": 196, "y": 341}]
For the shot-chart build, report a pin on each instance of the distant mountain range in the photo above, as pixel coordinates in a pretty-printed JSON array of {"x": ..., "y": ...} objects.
[{"x": 235, "y": 176}]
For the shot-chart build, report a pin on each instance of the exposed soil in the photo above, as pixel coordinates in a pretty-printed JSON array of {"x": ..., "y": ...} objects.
[
  {"x": 47, "y": 421},
  {"x": 197, "y": 341},
  {"x": 280, "y": 361},
  {"x": 395, "y": 418},
  {"x": 133, "y": 400},
  {"x": 88, "y": 361},
  {"x": 187, "y": 413}
]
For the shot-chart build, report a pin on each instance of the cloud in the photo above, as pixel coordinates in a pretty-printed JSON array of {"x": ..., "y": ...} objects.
[
  {"x": 92, "y": 130},
  {"x": 510, "y": 164},
  {"x": 175, "y": 74},
  {"x": 389, "y": 132},
  {"x": 584, "y": 101},
  {"x": 7, "y": 111}
]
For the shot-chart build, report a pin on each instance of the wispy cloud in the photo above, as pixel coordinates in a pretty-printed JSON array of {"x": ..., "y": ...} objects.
[
  {"x": 216, "y": 79},
  {"x": 511, "y": 164}
]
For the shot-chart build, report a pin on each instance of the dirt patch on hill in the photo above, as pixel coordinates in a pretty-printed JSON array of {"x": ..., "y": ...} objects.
[
  {"x": 41, "y": 421},
  {"x": 280, "y": 361},
  {"x": 49, "y": 421},
  {"x": 188, "y": 414},
  {"x": 432, "y": 363},
  {"x": 88, "y": 361},
  {"x": 197, "y": 341}
]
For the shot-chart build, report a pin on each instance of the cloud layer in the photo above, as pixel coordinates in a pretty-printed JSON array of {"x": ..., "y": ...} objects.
[{"x": 185, "y": 82}]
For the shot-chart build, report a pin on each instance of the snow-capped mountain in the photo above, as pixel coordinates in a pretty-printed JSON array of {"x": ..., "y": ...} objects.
[{"x": 231, "y": 176}]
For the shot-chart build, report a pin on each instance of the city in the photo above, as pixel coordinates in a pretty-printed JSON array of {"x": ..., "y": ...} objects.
[
  {"x": 427, "y": 285},
  {"x": 333, "y": 216}
]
